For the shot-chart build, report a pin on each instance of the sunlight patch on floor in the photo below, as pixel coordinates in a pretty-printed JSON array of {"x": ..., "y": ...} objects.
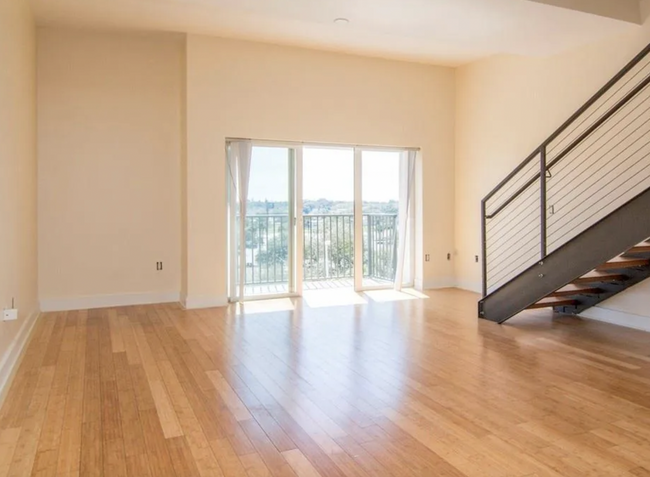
[
  {"x": 340, "y": 297},
  {"x": 415, "y": 293},
  {"x": 383, "y": 296},
  {"x": 264, "y": 306}
]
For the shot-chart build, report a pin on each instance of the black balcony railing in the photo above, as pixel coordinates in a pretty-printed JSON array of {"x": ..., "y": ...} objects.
[
  {"x": 328, "y": 247},
  {"x": 267, "y": 249},
  {"x": 380, "y": 246}
]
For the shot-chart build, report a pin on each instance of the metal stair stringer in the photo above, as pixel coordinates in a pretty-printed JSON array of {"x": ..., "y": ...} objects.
[{"x": 612, "y": 236}]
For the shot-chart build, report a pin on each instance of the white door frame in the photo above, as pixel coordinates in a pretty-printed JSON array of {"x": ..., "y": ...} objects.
[
  {"x": 358, "y": 222},
  {"x": 296, "y": 220}
]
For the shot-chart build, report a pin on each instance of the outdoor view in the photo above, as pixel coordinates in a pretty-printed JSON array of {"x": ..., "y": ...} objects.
[{"x": 328, "y": 220}]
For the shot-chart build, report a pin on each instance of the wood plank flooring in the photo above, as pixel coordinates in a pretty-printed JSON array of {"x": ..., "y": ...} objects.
[
  {"x": 413, "y": 387},
  {"x": 333, "y": 283}
]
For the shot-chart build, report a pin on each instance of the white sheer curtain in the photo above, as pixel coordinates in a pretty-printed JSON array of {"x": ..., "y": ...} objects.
[
  {"x": 407, "y": 180},
  {"x": 239, "y": 166}
]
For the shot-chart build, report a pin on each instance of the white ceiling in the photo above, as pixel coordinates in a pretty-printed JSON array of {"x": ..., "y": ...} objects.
[{"x": 448, "y": 32}]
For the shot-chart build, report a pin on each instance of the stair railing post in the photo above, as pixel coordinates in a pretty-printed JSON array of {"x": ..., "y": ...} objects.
[
  {"x": 543, "y": 207},
  {"x": 484, "y": 246}
]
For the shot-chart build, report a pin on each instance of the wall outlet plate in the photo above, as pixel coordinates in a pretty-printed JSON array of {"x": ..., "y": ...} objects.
[{"x": 10, "y": 314}]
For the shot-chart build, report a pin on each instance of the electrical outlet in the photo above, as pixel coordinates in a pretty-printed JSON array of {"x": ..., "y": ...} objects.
[
  {"x": 10, "y": 314},
  {"x": 448, "y": 256},
  {"x": 427, "y": 257},
  {"x": 159, "y": 266}
]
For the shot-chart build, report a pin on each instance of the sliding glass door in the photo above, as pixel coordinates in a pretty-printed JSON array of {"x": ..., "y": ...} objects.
[
  {"x": 262, "y": 234},
  {"x": 328, "y": 217},
  {"x": 380, "y": 209},
  {"x": 269, "y": 244},
  {"x": 310, "y": 217}
]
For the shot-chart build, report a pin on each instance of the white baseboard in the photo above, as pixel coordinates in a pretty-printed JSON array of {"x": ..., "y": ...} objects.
[
  {"x": 106, "y": 301},
  {"x": 476, "y": 287},
  {"x": 436, "y": 283},
  {"x": 616, "y": 317},
  {"x": 11, "y": 359},
  {"x": 193, "y": 302}
]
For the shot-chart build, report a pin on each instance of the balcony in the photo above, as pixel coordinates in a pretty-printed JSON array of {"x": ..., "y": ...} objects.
[{"x": 328, "y": 252}]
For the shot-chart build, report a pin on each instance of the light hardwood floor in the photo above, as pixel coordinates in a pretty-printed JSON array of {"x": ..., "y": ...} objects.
[
  {"x": 405, "y": 388},
  {"x": 334, "y": 283}
]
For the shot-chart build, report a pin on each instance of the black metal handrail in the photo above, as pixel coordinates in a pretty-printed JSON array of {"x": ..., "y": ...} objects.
[
  {"x": 601, "y": 92},
  {"x": 513, "y": 189},
  {"x": 588, "y": 132}
]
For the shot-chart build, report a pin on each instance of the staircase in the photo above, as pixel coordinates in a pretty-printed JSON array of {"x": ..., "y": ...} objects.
[
  {"x": 570, "y": 226},
  {"x": 604, "y": 282}
]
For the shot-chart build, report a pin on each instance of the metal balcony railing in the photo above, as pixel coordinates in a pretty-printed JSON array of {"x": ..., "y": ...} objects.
[{"x": 328, "y": 247}]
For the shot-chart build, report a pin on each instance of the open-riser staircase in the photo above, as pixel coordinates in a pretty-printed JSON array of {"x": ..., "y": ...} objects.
[
  {"x": 569, "y": 228},
  {"x": 604, "y": 282}
]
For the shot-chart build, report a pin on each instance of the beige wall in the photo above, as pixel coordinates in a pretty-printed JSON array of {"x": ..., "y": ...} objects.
[
  {"x": 109, "y": 139},
  {"x": 252, "y": 90},
  {"x": 506, "y": 106},
  {"x": 115, "y": 198},
  {"x": 132, "y": 162},
  {"x": 18, "y": 265}
]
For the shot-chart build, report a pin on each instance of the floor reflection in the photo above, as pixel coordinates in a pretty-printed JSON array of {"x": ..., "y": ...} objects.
[
  {"x": 334, "y": 297},
  {"x": 264, "y": 306},
  {"x": 383, "y": 296}
]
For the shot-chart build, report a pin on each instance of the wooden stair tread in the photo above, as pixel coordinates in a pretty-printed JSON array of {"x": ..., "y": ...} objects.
[
  {"x": 552, "y": 302},
  {"x": 623, "y": 262},
  {"x": 643, "y": 248},
  {"x": 595, "y": 277},
  {"x": 572, "y": 289}
]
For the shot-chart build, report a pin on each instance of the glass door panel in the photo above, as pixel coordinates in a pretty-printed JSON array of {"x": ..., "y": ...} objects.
[
  {"x": 269, "y": 225},
  {"x": 380, "y": 195},
  {"x": 328, "y": 217}
]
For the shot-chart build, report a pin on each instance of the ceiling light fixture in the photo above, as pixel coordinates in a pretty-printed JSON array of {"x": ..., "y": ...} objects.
[{"x": 341, "y": 21}]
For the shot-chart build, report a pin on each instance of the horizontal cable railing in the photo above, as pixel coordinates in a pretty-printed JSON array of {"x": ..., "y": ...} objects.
[
  {"x": 592, "y": 165},
  {"x": 328, "y": 247}
]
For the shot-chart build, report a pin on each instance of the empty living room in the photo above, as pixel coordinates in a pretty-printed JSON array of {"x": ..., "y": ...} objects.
[{"x": 343, "y": 238}]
